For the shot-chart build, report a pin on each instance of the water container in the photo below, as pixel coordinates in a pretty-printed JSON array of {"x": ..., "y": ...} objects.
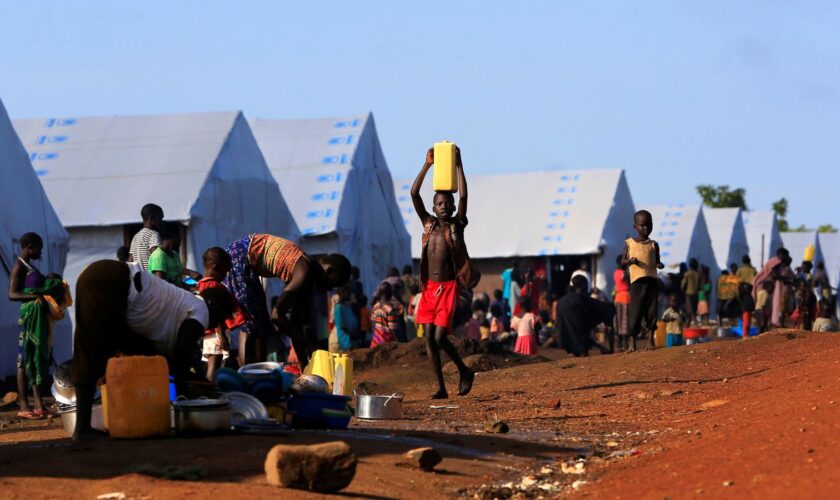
[
  {"x": 343, "y": 364},
  {"x": 321, "y": 364},
  {"x": 137, "y": 396},
  {"x": 808, "y": 256},
  {"x": 446, "y": 173},
  {"x": 660, "y": 336}
]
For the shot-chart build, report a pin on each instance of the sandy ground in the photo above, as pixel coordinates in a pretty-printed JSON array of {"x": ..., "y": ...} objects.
[{"x": 727, "y": 419}]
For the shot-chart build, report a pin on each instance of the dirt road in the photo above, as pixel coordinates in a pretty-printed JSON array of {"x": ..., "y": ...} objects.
[{"x": 734, "y": 419}]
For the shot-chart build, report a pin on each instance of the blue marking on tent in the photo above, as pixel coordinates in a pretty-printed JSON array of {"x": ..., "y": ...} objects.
[
  {"x": 667, "y": 243},
  {"x": 561, "y": 190},
  {"x": 550, "y": 226},
  {"x": 60, "y": 122},
  {"x": 336, "y": 177},
  {"x": 325, "y": 196},
  {"x": 570, "y": 201},
  {"x": 403, "y": 197},
  {"x": 347, "y": 123},
  {"x": 671, "y": 233},
  {"x": 564, "y": 177},
  {"x": 43, "y": 139},
  {"x": 42, "y": 156},
  {"x": 315, "y": 214},
  {"x": 665, "y": 254},
  {"x": 566, "y": 213},
  {"x": 554, "y": 214},
  {"x": 574, "y": 189},
  {"x": 577, "y": 176},
  {"x": 559, "y": 238},
  {"x": 677, "y": 214},
  {"x": 41, "y": 172},
  {"x": 558, "y": 202},
  {"x": 406, "y": 186},
  {"x": 341, "y": 159},
  {"x": 343, "y": 139},
  {"x": 546, "y": 238}
]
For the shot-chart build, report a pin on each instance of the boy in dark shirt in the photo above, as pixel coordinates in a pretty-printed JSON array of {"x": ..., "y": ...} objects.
[{"x": 445, "y": 267}]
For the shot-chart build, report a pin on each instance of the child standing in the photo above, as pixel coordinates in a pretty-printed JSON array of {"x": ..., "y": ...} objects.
[
  {"x": 525, "y": 325},
  {"x": 703, "y": 295},
  {"x": 621, "y": 299},
  {"x": 641, "y": 255},
  {"x": 215, "y": 346},
  {"x": 381, "y": 317},
  {"x": 497, "y": 323},
  {"x": 764, "y": 305},
  {"x": 364, "y": 321},
  {"x": 690, "y": 286},
  {"x": 346, "y": 324},
  {"x": 824, "y": 323},
  {"x": 147, "y": 239},
  {"x": 747, "y": 303},
  {"x": 473, "y": 326},
  {"x": 675, "y": 320}
]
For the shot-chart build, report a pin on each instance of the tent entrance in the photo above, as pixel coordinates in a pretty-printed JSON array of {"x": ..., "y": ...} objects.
[
  {"x": 561, "y": 268},
  {"x": 129, "y": 230}
]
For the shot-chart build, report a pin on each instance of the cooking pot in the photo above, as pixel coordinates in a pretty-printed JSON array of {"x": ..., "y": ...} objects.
[
  {"x": 201, "y": 416},
  {"x": 62, "y": 388},
  {"x": 370, "y": 406},
  {"x": 68, "y": 417},
  {"x": 309, "y": 383}
]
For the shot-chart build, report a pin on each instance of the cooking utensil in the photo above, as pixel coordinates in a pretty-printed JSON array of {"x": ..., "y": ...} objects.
[
  {"x": 309, "y": 383},
  {"x": 261, "y": 426},
  {"x": 379, "y": 407},
  {"x": 62, "y": 388},
  {"x": 259, "y": 370},
  {"x": 68, "y": 418},
  {"x": 202, "y": 416},
  {"x": 244, "y": 407}
]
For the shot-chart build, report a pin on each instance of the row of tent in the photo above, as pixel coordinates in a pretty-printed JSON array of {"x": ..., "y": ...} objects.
[{"x": 80, "y": 183}]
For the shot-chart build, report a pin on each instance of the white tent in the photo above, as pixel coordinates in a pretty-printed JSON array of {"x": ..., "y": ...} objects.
[
  {"x": 204, "y": 169},
  {"x": 729, "y": 239},
  {"x": 830, "y": 247},
  {"x": 797, "y": 241},
  {"x": 580, "y": 212},
  {"x": 334, "y": 175},
  {"x": 24, "y": 207},
  {"x": 682, "y": 234},
  {"x": 761, "y": 226}
]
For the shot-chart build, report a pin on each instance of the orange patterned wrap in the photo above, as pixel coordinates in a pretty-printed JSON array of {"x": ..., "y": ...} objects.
[{"x": 273, "y": 256}]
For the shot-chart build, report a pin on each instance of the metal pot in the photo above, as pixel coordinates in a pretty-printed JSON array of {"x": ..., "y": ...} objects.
[
  {"x": 62, "y": 388},
  {"x": 369, "y": 406},
  {"x": 724, "y": 332},
  {"x": 68, "y": 418},
  {"x": 201, "y": 416}
]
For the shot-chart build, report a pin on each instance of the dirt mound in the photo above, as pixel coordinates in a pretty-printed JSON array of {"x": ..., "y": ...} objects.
[{"x": 480, "y": 356}]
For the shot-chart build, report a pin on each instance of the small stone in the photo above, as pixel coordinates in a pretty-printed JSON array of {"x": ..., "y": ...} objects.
[
  {"x": 728, "y": 483},
  {"x": 813, "y": 408},
  {"x": 612, "y": 444},
  {"x": 643, "y": 395},
  {"x": 572, "y": 469},
  {"x": 546, "y": 470},
  {"x": 496, "y": 427},
  {"x": 670, "y": 392},
  {"x": 423, "y": 458},
  {"x": 528, "y": 481},
  {"x": 578, "y": 484}
]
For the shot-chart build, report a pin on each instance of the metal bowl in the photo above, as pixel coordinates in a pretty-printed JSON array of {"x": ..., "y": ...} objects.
[
  {"x": 369, "y": 406},
  {"x": 202, "y": 416},
  {"x": 68, "y": 418},
  {"x": 309, "y": 383},
  {"x": 256, "y": 371},
  {"x": 245, "y": 407}
]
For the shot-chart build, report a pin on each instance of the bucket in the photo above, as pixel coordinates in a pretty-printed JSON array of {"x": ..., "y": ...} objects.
[
  {"x": 307, "y": 408},
  {"x": 695, "y": 333}
]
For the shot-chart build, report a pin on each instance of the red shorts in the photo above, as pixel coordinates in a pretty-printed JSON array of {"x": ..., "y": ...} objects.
[{"x": 437, "y": 304}]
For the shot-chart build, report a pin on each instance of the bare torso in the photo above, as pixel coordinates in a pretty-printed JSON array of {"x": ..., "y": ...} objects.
[{"x": 439, "y": 256}]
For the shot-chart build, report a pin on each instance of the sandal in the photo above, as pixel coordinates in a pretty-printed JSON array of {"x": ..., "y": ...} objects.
[
  {"x": 42, "y": 413},
  {"x": 29, "y": 415}
]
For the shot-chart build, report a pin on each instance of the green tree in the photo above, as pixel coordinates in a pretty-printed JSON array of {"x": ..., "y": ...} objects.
[
  {"x": 781, "y": 209},
  {"x": 722, "y": 196},
  {"x": 826, "y": 228}
]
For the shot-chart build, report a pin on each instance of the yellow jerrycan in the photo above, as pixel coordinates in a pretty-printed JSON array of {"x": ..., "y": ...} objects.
[
  {"x": 343, "y": 371},
  {"x": 321, "y": 364},
  {"x": 660, "y": 335},
  {"x": 137, "y": 401},
  {"x": 810, "y": 250},
  {"x": 446, "y": 172}
]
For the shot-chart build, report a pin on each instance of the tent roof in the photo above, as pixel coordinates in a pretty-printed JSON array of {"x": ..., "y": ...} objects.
[
  {"x": 24, "y": 205},
  {"x": 311, "y": 160},
  {"x": 758, "y": 224},
  {"x": 163, "y": 159},
  {"x": 556, "y": 212},
  {"x": 797, "y": 241},
  {"x": 726, "y": 230},
  {"x": 679, "y": 230},
  {"x": 830, "y": 246}
]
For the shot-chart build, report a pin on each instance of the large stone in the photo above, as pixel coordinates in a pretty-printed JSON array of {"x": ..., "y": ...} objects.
[
  {"x": 423, "y": 458},
  {"x": 321, "y": 467},
  {"x": 496, "y": 427}
]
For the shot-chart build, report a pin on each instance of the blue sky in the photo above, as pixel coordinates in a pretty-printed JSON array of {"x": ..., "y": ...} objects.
[{"x": 677, "y": 93}]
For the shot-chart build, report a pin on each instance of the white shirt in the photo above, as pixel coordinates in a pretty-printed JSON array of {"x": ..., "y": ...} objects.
[{"x": 158, "y": 311}]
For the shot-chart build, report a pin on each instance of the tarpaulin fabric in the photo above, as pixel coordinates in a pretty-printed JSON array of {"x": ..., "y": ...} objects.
[
  {"x": 761, "y": 225},
  {"x": 333, "y": 173},
  {"x": 24, "y": 207},
  {"x": 729, "y": 239},
  {"x": 543, "y": 213}
]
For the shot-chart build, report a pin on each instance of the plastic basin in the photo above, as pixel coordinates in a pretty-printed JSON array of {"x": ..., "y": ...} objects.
[{"x": 308, "y": 408}]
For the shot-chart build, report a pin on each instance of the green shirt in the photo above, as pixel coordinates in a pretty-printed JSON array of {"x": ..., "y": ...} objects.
[{"x": 167, "y": 263}]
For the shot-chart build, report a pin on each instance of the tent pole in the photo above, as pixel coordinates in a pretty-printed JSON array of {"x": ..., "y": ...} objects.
[{"x": 762, "y": 249}]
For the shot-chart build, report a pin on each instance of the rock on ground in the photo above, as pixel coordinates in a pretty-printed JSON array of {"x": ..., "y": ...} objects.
[{"x": 324, "y": 467}]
